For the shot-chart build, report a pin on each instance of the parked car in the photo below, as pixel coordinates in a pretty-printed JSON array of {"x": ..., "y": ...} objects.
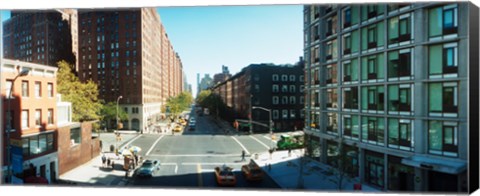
[
  {"x": 148, "y": 168},
  {"x": 252, "y": 171},
  {"x": 224, "y": 176},
  {"x": 191, "y": 126}
]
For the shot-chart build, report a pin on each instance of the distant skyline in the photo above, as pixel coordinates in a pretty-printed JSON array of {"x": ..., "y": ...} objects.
[{"x": 207, "y": 37}]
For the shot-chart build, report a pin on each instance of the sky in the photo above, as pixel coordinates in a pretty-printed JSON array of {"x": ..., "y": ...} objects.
[
  {"x": 207, "y": 37},
  {"x": 235, "y": 36}
]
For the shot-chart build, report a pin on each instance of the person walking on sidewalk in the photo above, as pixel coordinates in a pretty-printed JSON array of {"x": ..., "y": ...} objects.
[
  {"x": 104, "y": 159},
  {"x": 243, "y": 155}
]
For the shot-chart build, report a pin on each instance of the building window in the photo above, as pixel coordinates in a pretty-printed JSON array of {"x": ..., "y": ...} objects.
[
  {"x": 314, "y": 35},
  {"x": 284, "y": 78},
  {"x": 373, "y": 36},
  {"x": 275, "y": 88},
  {"x": 351, "y": 127},
  {"x": 350, "y": 71},
  {"x": 314, "y": 76},
  {"x": 331, "y": 74},
  {"x": 274, "y": 77},
  {"x": 347, "y": 18},
  {"x": 38, "y": 89},
  {"x": 24, "y": 88},
  {"x": 443, "y": 21},
  {"x": 275, "y": 100},
  {"x": 37, "y": 144},
  {"x": 302, "y": 100},
  {"x": 443, "y": 98},
  {"x": 50, "y": 116},
  {"x": 351, "y": 43},
  {"x": 373, "y": 98},
  {"x": 257, "y": 88},
  {"x": 292, "y": 114},
  {"x": 331, "y": 26},
  {"x": 75, "y": 136},
  {"x": 275, "y": 114},
  {"x": 302, "y": 78},
  {"x": 373, "y": 130},
  {"x": 25, "y": 119},
  {"x": 284, "y": 114},
  {"x": 315, "y": 55},
  {"x": 443, "y": 138},
  {"x": 284, "y": 100},
  {"x": 400, "y": 134},
  {"x": 331, "y": 98},
  {"x": 38, "y": 117},
  {"x": 400, "y": 97},
  {"x": 292, "y": 88},
  {"x": 400, "y": 29},
  {"x": 292, "y": 100},
  {"x": 332, "y": 123},
  {"x": 331, "y": 50},
  {"x": 443, "y": 59},
  {"x": 350, "y": 100},
  {"x": 400, "y": 63},
  {"x": 372, "y": 67},
  {"x": 284, "y": 88},
  {"x": 292, "y": 78}
]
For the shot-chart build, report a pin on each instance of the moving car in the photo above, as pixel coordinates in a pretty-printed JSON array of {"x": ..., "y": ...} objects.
[
  {"x": 148, "y": 168},
  {"x": 252, "y": 171},
  {"x": 177, "y": 128},
  {"x": 224, "y": 176}
]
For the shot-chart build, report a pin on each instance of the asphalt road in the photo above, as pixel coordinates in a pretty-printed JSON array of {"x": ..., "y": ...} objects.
[{"x": 188, "y": 159}]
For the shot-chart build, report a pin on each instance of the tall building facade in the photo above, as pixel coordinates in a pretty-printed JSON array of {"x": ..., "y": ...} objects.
[
  {"x": 277, "y": 89},
  {"x": 127, "y": 53},
  {"x": 220, "y": 77},
  {"x": 390, "y": 82},
  {"x": 42, "y": 37}
]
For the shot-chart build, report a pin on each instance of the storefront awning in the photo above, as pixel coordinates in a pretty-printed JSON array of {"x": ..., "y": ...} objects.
[{"x": 436, "y": 164}]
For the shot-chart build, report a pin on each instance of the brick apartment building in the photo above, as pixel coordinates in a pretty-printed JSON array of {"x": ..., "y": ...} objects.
[{"x": 127, "y": 53}]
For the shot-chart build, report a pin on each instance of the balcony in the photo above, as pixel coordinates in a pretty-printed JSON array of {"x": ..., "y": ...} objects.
[
  {"x": 372, "y": 76},
  {"x": 372, "y": 45},
  {"x": 450, "y": 69},
  {"x": 347, "y": 78},
  {"x": 449, "y": 30},
  {"x": 346, "y": 51}
]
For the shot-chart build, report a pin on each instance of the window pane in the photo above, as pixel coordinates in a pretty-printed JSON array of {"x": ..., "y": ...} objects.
[
  {"x": 393, "y": 28},
  {"x": 404, "y": 26},
  {"x": 355, "y": 126},
  {"x": 449, "y": 56},
  {"x": 448, "y": 18},
  {"x": 34, "y": 145},
  {"x": 393, "y": 131},
  {"x": 435, "y": 22},
  {"x": 448, "y": 137},
  {"x": 355, "y": 37},
  {"x": 435, "y": 135},
  {"x": 435, "y": 97},
  {"x": 43, "y": 143},
  {"x": 435, "y": 60}
]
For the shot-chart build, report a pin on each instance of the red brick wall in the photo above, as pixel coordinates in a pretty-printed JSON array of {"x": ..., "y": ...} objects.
[{"x": 69, "y": 156}]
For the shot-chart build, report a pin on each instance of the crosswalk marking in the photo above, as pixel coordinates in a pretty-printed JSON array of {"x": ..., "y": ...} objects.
[
  {"x": 155, "y": 143},
  {"x": 241, "y": 145}
]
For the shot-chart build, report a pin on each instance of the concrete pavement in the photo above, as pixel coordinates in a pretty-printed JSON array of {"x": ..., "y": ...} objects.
[{"x": 92, "y": 173}]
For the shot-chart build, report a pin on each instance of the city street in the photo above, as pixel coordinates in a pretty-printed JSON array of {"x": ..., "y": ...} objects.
[{"x": 189, "y": 158}]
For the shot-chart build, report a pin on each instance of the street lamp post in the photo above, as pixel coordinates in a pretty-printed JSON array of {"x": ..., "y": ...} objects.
[
  {"x": 9, "y": 126},
  {"x": 270, "y": 122},
  {"x": 116, "y": 123}
]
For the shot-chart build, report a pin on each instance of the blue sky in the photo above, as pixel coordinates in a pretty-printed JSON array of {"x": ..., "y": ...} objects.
[
  {"x": 235, "y": 36},
  {"x": 208, "y": 37}
]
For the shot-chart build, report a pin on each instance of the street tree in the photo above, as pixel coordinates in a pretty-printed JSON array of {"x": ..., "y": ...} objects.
[
  {"x": 83, "y": 96},
  {"x": 342, "y": 166},
  {"x": 109, "y": 114},
  {"x": 179, "y": 103}
]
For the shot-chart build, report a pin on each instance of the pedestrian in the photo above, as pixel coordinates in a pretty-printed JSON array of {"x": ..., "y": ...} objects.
[
  {"x": 104, "y": 159},
  {"x": 243, "y": 155},
  {"x": 289, "y": 152},
  {"x": 113, "y": 164},
  {"x": 108, "y": 162}
]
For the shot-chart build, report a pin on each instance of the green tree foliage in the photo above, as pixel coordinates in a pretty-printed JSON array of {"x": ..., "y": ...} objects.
[
  {"x": 212, "y": 101},
  {"x": 109, "y": 113},
  {"x": 179, "y": 103},
  {"x": 83, "y": 96}
]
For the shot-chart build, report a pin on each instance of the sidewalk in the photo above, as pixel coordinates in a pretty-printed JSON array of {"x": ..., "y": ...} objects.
[
  {"x": 285, "y": 171},
  {"x": 92, "y": 172}
]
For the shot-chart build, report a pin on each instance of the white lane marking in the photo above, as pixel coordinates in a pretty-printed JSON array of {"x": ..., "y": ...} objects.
[
  {"x": 155, "y": 143},
  {"x": 130, "y": 142},
  {"x": 267, "y": 147},
  {"x": 270, "y": 138},
  {"x": 246, "y": 151},
  {"x": 195, "y": 155},
  {"x": 174, "y": 164}
]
